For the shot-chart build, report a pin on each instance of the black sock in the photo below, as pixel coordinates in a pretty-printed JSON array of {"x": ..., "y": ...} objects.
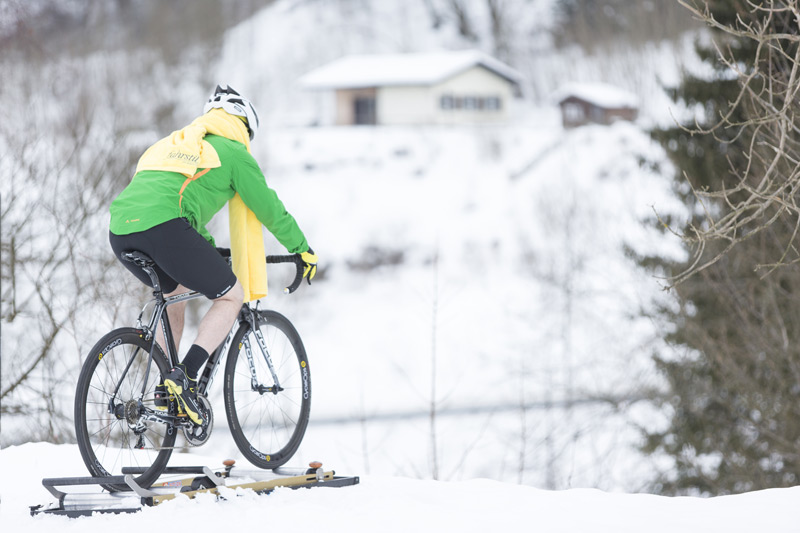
[{"x": 195, "y": 358}]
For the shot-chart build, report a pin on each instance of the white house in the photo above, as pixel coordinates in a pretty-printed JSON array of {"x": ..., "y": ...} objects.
[{"x": 463, "y": 87}]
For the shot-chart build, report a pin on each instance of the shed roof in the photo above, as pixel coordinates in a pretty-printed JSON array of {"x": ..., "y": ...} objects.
[
  {"x": 360, "y": 71},
  {"x": 599, "y": 94}
]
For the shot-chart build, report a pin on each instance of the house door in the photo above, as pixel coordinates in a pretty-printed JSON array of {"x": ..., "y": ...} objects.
[{"x": 365, "y": 110}]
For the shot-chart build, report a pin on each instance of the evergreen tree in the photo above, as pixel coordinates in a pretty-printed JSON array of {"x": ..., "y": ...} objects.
[{"x": 735, "y": 388}]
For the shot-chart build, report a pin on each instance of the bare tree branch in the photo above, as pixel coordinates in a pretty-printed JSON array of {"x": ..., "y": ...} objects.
[{"x": 766, "y": 190}]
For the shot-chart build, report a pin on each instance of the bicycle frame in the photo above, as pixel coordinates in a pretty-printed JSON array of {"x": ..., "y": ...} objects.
[
  {"x": 142, "y": 417},
  {"x": 247, "y": 315}
]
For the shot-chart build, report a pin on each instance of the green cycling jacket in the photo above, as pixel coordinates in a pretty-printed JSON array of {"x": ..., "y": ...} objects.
[{"x": 154, "y": 197}]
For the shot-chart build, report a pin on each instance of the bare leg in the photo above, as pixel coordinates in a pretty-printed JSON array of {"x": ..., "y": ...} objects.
[
  {"x": 175, "y": 312},
  {"x": 214, "y": 328},
  {"x": 218, "y": 320}
]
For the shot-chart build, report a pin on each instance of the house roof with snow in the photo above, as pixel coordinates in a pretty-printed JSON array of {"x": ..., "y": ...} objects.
[
  {"x": 599, "y": 94},
  {"x": 362, "y": 71}
]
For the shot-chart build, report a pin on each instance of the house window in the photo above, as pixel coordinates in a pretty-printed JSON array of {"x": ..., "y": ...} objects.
[
  {"x": 492, "y": 103},
  {"x": 449, "y": 102}
]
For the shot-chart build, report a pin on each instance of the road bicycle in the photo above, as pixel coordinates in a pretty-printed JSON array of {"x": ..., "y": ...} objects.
[{"x": 124, "y": 420}]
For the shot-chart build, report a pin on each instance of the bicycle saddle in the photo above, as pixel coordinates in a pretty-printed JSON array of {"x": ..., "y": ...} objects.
[{"x": 138, "y": 258}]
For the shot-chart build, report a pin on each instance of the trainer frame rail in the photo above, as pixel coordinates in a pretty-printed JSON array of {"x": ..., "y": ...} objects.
[{"x": 85, "y": 504}]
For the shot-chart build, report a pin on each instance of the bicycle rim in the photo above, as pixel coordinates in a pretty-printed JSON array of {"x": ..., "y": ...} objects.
[
  {"x": 116, "y": 386},
  {"x": 268, "y": 425}
]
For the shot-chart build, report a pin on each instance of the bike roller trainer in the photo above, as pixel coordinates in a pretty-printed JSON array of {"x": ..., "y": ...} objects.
[{"x": 196, "y": 480}]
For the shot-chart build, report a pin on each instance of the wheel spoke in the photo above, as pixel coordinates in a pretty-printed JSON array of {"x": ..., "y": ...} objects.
[{"x": 107, "y": 442}]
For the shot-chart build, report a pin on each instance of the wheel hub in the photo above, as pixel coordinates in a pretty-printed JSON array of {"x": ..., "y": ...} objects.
[
  {"x": 132, "y": 412},
  {"x": 263, "y": 389}
]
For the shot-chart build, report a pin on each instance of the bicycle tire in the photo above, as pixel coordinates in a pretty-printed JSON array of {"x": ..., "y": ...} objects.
[
  {"x": 107, "y": 442},
  {"x": 268, "y": 427}
]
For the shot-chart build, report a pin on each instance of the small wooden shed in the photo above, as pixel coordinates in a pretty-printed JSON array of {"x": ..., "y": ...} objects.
[{"x": 596, "y": 103}]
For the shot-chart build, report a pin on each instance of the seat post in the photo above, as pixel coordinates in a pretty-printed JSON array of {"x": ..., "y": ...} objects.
[
  {"x": 157, "y": 292},
  {"x": 147, "y": 264}
]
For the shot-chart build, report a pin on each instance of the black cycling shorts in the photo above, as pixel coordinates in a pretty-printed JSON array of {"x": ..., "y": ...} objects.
[{"x": 181, "y": 255}]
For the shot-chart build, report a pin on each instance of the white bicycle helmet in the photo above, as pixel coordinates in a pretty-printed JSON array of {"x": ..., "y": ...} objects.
[{"x": 226, "y": 98}]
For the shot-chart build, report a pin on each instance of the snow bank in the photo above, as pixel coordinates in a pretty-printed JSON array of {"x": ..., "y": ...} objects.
[{"x": 389, "y": 504}]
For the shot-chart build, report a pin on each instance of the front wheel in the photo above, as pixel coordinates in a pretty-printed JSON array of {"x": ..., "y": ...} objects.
[
  {"x": 267, "y": 418},
  {"x": 115, "y": 395}
]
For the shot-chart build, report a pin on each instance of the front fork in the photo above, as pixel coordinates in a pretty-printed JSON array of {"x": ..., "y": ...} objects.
[{"x": 251, "y": 318}]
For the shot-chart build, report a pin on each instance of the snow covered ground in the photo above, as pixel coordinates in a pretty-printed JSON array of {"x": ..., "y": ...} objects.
[{"x": 389, "y": 504}]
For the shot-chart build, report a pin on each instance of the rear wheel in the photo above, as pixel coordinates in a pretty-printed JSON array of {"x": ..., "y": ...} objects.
[
  {"x": 267, "y": 420},
  {"x": 116, "y": 390}
]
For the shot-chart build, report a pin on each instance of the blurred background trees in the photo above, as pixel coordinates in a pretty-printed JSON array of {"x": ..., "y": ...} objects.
[
  {"x": 87, "y": 86},
  {"x": 593, "y": 24},
  {"x": 735, "y": 388}
]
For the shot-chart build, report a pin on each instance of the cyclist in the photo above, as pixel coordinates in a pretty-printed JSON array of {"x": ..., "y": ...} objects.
[{"x": 180, "y": 183}]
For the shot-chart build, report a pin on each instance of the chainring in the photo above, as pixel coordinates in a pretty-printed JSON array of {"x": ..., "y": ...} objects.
[{"x": 198, "y": 435}]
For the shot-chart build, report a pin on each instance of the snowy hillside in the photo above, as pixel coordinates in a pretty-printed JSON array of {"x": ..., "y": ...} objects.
[
  {"x": 483, "y": 269},
  {"x": 395, "y": 504},
  {"x": 478, "y": 274}
]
